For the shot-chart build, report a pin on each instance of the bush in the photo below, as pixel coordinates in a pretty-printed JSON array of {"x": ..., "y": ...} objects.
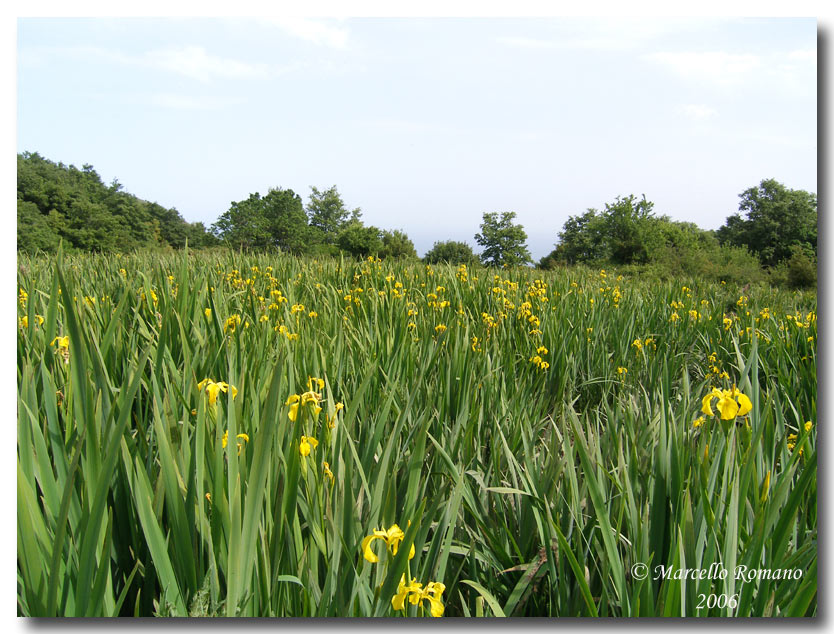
[
  {"x": 450, "y": 251},
  {"x": 396, "y": 244},
  {"x": 359, "y": 240},
  {"x": 801, "y": 269}
]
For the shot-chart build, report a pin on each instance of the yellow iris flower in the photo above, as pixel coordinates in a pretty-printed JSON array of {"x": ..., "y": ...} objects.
[
  {"x": 392, "y": 537},
  {"x": 308, "y": 443},
  {"x": 307, "y": 397},
  {"x": 731, "y": 403},
  {"x": 213, "y": 389},
  {"x": 240, "y": 437},
  {"x": 415, "y": 593}
]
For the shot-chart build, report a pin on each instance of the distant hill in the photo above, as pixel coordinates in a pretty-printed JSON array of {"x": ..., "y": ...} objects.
[{"x": 57, "y": 201}]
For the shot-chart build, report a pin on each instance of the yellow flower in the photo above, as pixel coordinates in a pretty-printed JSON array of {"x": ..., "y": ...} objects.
[
  {"x": 327, "y": 472},
  {"x": 307, "y": 444},
  {"x": 698, "y": 421},
  {"x": 403, "y": 590},
  {"x": 392, "y": 538},
  {"x": 622, "y": 370},
  {"x": 232, "y": 323},
  {"x": 416, "y": 593},
  {"x": 432, "y": 593},
  {"x": 731, "y": 403},
  {"x": 207, "y": 313},
  {"x": 63, "y": 342},
  {"x": 292, "y": 401},
  {"x": 239, "y": 436},
  {"x": 213, "y": 389},
  {"x": 440, "y": 328},
  {"x": 808, "y": 425}
]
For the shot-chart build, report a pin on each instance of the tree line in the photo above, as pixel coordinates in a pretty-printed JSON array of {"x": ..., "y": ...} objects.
[
  {"x": 58, "y": 202},
  {"x": 772, "y": 236}
]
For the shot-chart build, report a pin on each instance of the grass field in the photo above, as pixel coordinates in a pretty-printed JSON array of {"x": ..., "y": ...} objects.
[{"x": 222, "y": 434}]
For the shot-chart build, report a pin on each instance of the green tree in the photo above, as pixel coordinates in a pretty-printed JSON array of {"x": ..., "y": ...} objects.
[
  {"x": 358, "y": 240},
  {"x": 504, "y": 242},
  {"x": 60, "y": 202},
  {"x": 396, "y": 244},
  {"x": 450, "y": 251},
  {"x": 625, "y": 232},
  {"x": 34, "y": 232},
  {"x": 327, "y": 213},
  {"x": 583, "y": 239},
  {"x": 276, "y": 220},
  {"x": 776, "y": 219},
  {"x": 630, "y": 232}
]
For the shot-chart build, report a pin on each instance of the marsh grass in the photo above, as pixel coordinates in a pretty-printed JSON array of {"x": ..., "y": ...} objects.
[{"x": 529, "y": 492}]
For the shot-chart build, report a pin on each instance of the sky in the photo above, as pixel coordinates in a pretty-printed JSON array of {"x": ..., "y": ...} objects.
[{"x": 428, "y": 123}]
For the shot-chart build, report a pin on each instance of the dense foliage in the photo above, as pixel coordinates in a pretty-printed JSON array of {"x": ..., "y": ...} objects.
[
  {"x": 775, "y": 240},
  {"x": 276, "y": 221},
  {"x": 777, "y": 221},
  {"x": 450, "y": 252},
  {"x": 268, "y": 435},
  {"x": 504, "y": 242},
  {"x": 58, "y": 202}
]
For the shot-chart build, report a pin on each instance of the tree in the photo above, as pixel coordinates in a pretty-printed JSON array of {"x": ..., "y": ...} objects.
[
  {"x": 396, "y": 244},
  {"x": 625, "y": 232},
  {"x": 33, "y": 229},
  {"x": 503, "y": 241},
  {"x": 327, "y": 213},
  {"x": 59, "y": 202},
  {"x": 582, "y": 239},
  {"x": 777, "y": 219},
  {"x": 277, "y": 220},
  {"x": 450, "y": 251},
  {"x": 630, "y": 230},
  {"x": 359, "y": 240}
]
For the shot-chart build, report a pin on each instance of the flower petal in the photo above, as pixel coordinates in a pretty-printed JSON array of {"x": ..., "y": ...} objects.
[
  {"x": 706, "y": 407},
  {"x": 728, "y": 407},
  {"x": 367, "y": 552},
  {"x": 744, "y": 405}
]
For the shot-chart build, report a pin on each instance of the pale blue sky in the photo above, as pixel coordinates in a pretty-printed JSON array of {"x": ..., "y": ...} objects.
[{"x": 428, "y": 123}]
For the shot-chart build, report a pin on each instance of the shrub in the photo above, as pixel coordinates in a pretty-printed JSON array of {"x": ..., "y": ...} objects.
[{"x": 450, "y": 251}]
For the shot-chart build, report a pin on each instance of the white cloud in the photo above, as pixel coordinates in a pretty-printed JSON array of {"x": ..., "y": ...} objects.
[
  {"x": 192, "y": 102},
  {"x": 526, "y": 42},
  {"x": 716, "y": 65},
  {"x": 627, "y": 33},
  {"x": 699, "y": 112},
  {"x": 314, "y": 31},
  {"x": 192, "y": 61},
  {"x": 195, "y": 62},
  {"x": 804, "y": 55}
]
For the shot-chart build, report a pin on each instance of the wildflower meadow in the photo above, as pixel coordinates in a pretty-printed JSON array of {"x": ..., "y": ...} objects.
[{"x": 221, "y": 434}]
